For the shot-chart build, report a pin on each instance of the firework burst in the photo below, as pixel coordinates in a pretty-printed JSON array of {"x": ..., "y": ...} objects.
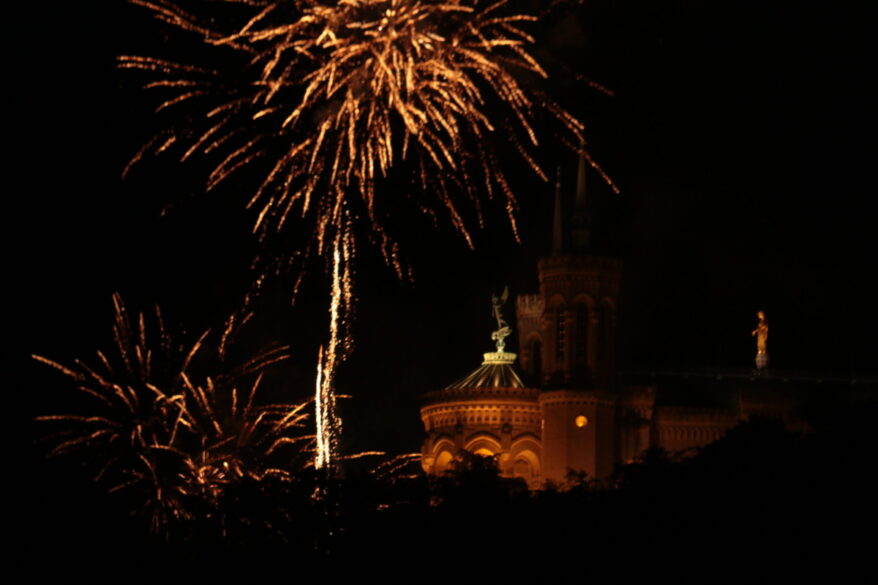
[
  {"x": 331, "y": 96},
  {"x": 324, "y": 99},
  {"x": 176, "y": 438}
]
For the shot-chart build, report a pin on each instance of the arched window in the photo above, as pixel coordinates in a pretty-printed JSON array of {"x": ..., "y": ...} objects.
[
  {"x": 606, "y": 344},
  {"x": 522, "y": 468},
  {"x": 536, "y": 358},
  {"x": 443, "y": 462},
  {"x": 580, "y": 335},
  {"x": 560, "y": 333}
]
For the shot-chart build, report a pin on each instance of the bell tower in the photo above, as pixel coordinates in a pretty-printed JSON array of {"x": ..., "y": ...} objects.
[
  {"x": 567, "y": 332},
  {"x": 567, "y": 341}
]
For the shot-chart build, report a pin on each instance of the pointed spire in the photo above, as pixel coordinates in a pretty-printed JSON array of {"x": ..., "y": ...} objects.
[
  {"x": 557, "y": 225},
  {"x": 580, "y": 185},
  {"x": 580, "y": 232}
]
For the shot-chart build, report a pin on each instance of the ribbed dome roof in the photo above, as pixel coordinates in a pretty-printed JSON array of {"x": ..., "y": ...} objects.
[
  {"x": 496, "y": 371},
  {"x": 495, "y": 379}
]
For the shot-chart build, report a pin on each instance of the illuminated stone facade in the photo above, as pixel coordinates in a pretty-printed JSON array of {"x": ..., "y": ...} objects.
[
  {"x": 567, "y": 339},
  {"x": 573, "y": 415},
  {"x": 572, "y": 343},
  {"x": 490, "y": 412}
]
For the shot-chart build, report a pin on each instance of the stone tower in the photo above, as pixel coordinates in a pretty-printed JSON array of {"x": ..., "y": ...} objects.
[
  {"x": 567, "y": 340},
  {"x": 566, "y": 332}
]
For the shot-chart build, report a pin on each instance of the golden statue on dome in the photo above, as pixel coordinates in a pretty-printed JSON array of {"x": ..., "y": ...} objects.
[{"x": 503, "y": 328}]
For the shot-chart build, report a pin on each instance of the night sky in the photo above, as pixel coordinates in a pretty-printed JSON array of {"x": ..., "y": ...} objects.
[{"x": 741, "y": 140}]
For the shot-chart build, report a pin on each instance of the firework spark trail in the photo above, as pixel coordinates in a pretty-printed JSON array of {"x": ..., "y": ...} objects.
[
  {"x": 332, "y": 97},
  {"x": 328, "y": 425}
]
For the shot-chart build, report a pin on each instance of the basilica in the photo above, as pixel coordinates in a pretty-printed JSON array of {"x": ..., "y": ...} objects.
[{"x": 574, "y": 414}]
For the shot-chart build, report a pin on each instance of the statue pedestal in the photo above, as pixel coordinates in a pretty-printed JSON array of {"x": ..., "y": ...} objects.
[{"x": 761, "y": 361}]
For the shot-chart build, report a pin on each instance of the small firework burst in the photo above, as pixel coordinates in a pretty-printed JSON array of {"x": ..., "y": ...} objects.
[{"x": 155, "y": 425}]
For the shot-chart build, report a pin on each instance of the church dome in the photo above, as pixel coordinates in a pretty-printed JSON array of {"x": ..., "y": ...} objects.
[
  {"x": 489, "y": 412},
  {"x": 495, "y": 378},
  {"x": 495, "y": 372}
]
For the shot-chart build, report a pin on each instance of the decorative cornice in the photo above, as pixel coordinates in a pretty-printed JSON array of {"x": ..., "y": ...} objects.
[
  {"x": 600, "y": 397},
  {"x": 481, "y": 394},
  {"x": 499, "y": 357}
]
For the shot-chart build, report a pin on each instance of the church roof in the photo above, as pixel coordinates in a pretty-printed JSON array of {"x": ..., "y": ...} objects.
[
  {"x": 495, "y": 378},
  {"x": 496, "y": 371}
]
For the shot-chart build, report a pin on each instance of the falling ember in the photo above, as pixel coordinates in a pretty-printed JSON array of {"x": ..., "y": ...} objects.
[{"x": 330, "y": 97}]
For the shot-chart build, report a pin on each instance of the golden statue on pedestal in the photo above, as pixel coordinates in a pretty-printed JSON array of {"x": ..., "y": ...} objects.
[{"x": 761, "y": 333}]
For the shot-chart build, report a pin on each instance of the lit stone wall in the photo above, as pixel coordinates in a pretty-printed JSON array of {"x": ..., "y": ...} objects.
[
  {"x": 501, "y": 427},
  {"x": 678, "y": 429},
  {"x": 578, "y": 433},
  {"x": 579, "y": 319}
]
